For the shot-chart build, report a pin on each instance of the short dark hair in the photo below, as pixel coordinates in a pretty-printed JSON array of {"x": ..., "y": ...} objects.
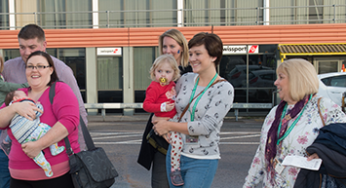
[
  {"x": 9, "y": 98},
  {"x": 53, "y": 76},
  {"x": 32, "y": 31},
  {"x": 211, "y": 42}
]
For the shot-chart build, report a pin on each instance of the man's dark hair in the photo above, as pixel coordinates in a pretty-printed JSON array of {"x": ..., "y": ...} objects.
[{"x": 32, "y": 31}]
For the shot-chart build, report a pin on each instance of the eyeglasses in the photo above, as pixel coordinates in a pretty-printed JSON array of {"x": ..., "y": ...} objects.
[{"x": 38, "y": 67}]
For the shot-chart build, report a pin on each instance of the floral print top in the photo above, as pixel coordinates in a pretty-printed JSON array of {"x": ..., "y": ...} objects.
[{"x": 302, "y": 135}]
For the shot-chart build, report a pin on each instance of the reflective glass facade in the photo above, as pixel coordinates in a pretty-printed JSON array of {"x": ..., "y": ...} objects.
[
  {"x": 137, "y": 13},
  {"x": 252, "y": 76},
  {"x": 62, "y": 14},
  {"x": 4, "y": 19},
  {"x": 304, "y": 12},
  {"x": 223, "y": 12}
]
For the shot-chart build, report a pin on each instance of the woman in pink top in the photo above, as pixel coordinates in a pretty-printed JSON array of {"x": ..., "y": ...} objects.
[{"x": 62, "y": 116}]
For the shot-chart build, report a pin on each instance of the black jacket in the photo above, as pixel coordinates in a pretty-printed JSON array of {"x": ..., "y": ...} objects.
[
  {"x": 328, "y": 148},
  {"x": 146, "y": 153}
]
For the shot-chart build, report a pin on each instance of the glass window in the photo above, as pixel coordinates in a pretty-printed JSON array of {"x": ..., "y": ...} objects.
[
  {"x": 267, "y": 48},
  {"x": 262, "y": 70},
  {"x": 287, "y": 15},
  {"x": 10, "y": 54},
  {"x": 130, "y": 13},
  {"x": 258, "y": 85},
  {"x": 4, "y": 21},
  {"x": 109, "y": 73},
  {"x": 233, "y": 68},
  {"x": 66, "y": 14},
  {"x": 143, "y": 59},
  {"x": 75, "y": 59},
  {"x": 240, "y": 95},
  {"x": 110, "y": 80},
  {"x": 261, "y": 95},
  {"x": 328, "y": 12},
  {"x": 26, "y": 10},
  {"x": 336, "y": 81},
  {"x": 114, "y": 18},
  {"x": 197, "y": 15},
  {"x": 306, "y": 12},
  {"x": 326, "y": 66}
]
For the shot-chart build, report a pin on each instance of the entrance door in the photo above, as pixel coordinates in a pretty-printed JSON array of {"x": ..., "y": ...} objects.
[{"x": 110, "y": 79}]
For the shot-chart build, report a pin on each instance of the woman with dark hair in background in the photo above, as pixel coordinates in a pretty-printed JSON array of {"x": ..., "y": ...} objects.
[{"x": 210, "y": 98}]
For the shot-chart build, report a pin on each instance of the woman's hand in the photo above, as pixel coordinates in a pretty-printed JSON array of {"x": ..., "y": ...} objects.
[
  {"x": 154, "y": 119},
  {"x": 26, "y": 109},
  {"x": 160, "y": 126},
  {"x": 166, "y": 137},
  {"x": 313, "y": 156},
  {"x": 31, "y": 149}
]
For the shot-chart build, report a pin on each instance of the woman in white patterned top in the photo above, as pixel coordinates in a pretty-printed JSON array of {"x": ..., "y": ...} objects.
[
  {"x": 291, "y": 126},
  {"x": 200, "y": 125}
]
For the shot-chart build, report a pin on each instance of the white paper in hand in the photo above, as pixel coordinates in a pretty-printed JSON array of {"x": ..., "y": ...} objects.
[{"x": 301, "y": 162}]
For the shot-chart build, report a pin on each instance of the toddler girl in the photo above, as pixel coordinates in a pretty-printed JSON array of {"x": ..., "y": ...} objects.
[{"x": 159, "y": 100}]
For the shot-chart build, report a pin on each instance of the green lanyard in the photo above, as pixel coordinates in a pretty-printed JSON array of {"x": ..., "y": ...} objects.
[
  {"x": 199, "y": 97},
  {"x": 293, "y": 124}
]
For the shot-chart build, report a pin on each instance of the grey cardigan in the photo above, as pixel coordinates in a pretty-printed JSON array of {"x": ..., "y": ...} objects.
[{"x": 209, "y": 114}]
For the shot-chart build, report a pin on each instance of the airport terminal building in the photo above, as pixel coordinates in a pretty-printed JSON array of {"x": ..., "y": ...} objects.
[{"x": 111, "y": 44}]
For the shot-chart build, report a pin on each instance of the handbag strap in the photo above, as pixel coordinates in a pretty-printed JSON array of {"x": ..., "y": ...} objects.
[
  {"x": 319, "y": 110},
  {"x": 187, "y": 107},
  {"x": 88, "y": 140}
]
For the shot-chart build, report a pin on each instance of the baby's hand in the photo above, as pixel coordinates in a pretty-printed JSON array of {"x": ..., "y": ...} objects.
[{"x": 169, "y": 106}]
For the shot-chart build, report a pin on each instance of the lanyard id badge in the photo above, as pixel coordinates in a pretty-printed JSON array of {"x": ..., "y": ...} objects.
[
  {"x": 191, "y": 139},
  {"x": 278, "y": 165},
  {"x": 194, "y": 139}
]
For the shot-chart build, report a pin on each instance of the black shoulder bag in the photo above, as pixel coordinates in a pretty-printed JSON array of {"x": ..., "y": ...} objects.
[
  {"x": 160, "y": 143},
  {"x": 91, "y": 168}
]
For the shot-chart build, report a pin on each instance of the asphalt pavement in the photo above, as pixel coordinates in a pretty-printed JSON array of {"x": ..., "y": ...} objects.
[{"x": 121, "y": 136}]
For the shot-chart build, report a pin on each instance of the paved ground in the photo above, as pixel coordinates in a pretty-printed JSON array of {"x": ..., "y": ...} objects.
[{"x": 120, "y": 136}]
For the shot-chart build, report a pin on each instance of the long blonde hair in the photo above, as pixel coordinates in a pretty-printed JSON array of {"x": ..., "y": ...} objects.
[{"x": 181, "y": 40}]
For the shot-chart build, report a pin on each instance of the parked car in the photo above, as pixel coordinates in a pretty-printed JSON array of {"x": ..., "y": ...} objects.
[
  {"x": 237, "y": 76},
  {"x": 258, "y": 79},
  {"x": 332, "y": 85}
]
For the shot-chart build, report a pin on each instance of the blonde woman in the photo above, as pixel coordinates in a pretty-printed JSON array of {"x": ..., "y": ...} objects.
[
  {"x": 174, "y": 43},
  {"x": 291, "y": 126}
]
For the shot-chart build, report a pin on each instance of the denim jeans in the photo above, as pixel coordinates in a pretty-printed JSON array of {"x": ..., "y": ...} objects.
[
  {"x": 4, "y": 172},
  {"x": 196, "y": 173}
]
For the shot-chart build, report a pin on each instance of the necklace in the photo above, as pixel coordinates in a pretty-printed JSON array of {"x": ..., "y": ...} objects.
[
  {"x": 293, "y": 124},
  {"x": 200, "y": 96}
]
